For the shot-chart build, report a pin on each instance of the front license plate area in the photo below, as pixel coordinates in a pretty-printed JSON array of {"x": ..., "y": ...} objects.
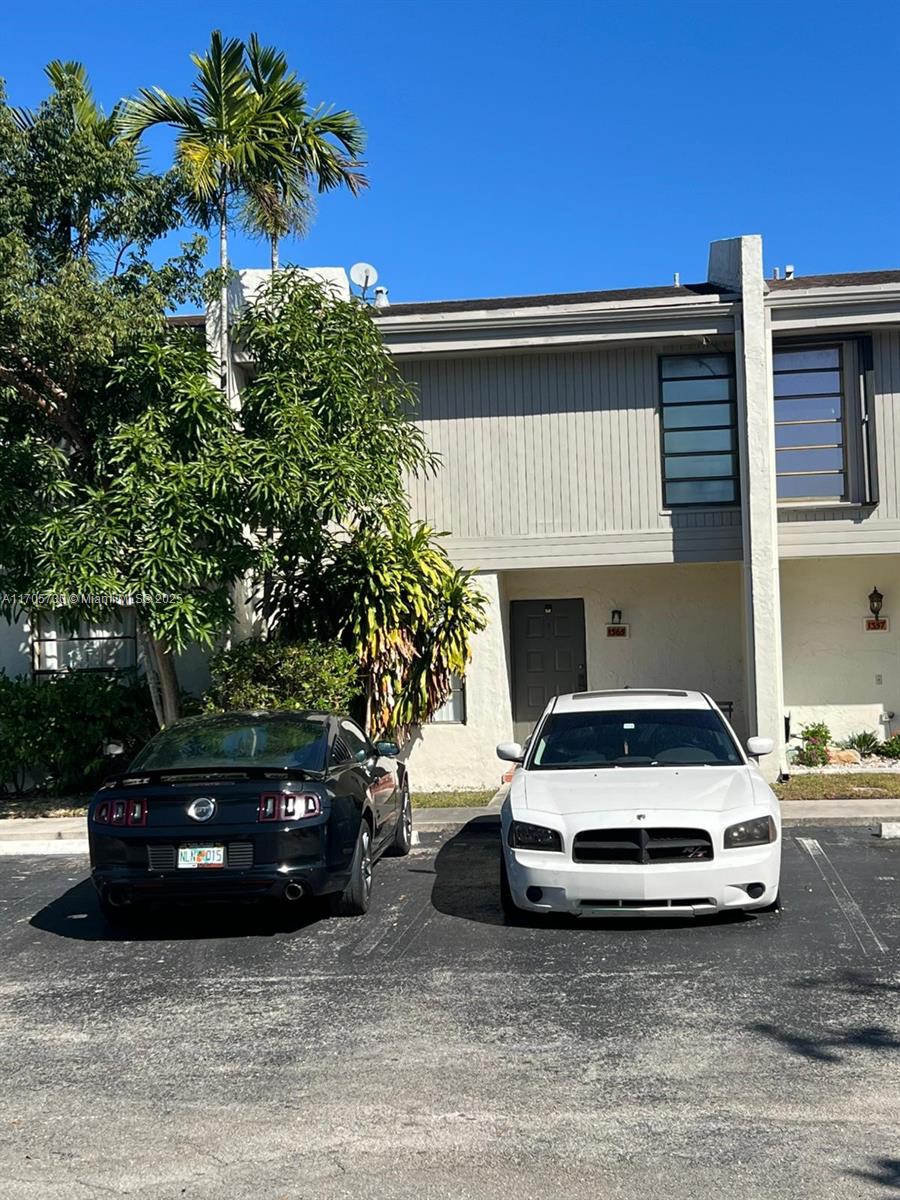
[{"x": 194, "y": 857}]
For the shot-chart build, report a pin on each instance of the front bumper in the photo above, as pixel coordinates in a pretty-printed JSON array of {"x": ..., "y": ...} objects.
[{"x": 631, "y": 889}]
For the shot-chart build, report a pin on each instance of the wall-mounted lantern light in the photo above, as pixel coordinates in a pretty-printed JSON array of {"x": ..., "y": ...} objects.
[
  {"x": 615, "y": 617},
  {"x": 875, "y": 601}
]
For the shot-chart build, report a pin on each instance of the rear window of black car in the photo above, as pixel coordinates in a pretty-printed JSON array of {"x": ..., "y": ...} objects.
[
  {"x": 666, "y": 737},
  {"x": 278, "y": 741}
]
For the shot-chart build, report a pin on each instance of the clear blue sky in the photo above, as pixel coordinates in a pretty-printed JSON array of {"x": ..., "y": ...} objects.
[{"x": 528, "y": 146}]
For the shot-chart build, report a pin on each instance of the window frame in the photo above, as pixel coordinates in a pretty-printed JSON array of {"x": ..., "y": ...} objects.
[
  {"x": 848, "y": 369},
  {"x": 127, "y": 638},
  {"x": 463, "y": 704},
  {"x": 732, "y": 427}
]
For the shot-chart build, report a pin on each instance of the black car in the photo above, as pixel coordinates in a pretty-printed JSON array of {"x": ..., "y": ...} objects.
[{"x": 249, "y": 805}]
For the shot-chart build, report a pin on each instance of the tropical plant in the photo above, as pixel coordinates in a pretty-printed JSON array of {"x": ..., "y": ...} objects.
[
  {"x": 865, "y": 743},
  {"x": 890, "y": 748},
  {"x": 292, "y": 675},
  {"x": 324, "y": 148},
  {"x": 245, "y": 134},
  {"x": 815, "y": 740}
]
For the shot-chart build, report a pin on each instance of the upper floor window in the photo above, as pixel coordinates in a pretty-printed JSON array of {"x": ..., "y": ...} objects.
[
  {"x": 809, "y": 424},
  {"x": 699, "y": 429}
]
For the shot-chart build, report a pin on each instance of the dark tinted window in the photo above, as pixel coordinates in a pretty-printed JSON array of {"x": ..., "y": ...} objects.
[
  {"x": 698, "y": 417},
  {"x": 639, "y": 738},
  {"x": 356, "y": 742},
  {"x": 270, "y": 741}
]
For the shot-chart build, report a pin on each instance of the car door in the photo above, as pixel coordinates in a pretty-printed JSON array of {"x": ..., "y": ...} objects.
[{"x": 380, "y": 775}]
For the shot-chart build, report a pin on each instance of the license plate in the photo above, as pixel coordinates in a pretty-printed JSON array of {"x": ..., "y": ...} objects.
[{"x": 201, "y": 856}]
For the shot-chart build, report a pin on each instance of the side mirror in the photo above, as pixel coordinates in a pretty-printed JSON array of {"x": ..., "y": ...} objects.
[
  {"x": 112, "y": 749},
  {"x": 510, "y": 752},
  {"x": 387, "y": 749},
  {"x": 758, "y": 746}
]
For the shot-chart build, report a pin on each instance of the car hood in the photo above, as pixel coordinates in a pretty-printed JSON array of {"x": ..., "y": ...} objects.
[{"x": 705, "y": 789}]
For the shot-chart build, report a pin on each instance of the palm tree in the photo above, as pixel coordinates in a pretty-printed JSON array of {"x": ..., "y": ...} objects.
[
  {"x": 324, "y": 151},
  {"x": 228, "y": 134}
]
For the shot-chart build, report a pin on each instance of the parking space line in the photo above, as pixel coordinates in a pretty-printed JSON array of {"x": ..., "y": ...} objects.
[{"x": 853, "y": 914}]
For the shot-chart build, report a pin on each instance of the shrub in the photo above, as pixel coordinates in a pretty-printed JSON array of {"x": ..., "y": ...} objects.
[
  {"x": 865, "y": 743},
  {"x": 290, "y": 675},
  {"x": 891, "y": 748},
  {"x": 814, "y": 751},
  {"x": 53, "y": 730}
]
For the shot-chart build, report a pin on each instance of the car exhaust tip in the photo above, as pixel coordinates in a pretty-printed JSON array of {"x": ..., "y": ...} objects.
[
  {"x": 294, "y": 891},
  {"x": 118, "y": 897}
]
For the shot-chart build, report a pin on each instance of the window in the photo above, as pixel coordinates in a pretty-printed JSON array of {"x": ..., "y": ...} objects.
[
  {"x": 278, "y": 740},
  {"x": 638, "y": 738},
  {"x": 89, "y": 647},
  {"x": 809, "y": 423},
  {"x": 698, "y": 429},
  {"x": 453, "y": 710},
  {"x": 356, "y": 741}
]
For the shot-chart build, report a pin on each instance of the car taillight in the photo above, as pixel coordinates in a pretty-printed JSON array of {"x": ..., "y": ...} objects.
[
  {"x": 132, "y": 811},
  {"x": 285, "y": 806}
]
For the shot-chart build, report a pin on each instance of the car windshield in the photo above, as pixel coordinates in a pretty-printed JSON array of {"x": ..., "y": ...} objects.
[
  {"x": 638, "y": 738},
  {"x": 232, "y": 741}
]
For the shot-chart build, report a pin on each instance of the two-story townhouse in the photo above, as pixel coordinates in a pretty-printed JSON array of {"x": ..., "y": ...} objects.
[{"x": 691, "y": 486}]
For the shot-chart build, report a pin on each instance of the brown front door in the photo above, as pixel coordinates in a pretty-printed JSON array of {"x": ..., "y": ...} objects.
[{"x": 548, "y": 656}]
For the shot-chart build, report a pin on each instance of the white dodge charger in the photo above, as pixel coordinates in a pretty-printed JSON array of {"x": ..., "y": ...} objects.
[{"x": 638, "y": 803}]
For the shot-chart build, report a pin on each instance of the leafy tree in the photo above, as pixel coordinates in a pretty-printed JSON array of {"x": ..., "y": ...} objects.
[
  {"x": 324, "y": 148},
  {"x": 257, "y": 673},
  {"x": 347, "y": 562},
  {"x": 246, "y": 134}
]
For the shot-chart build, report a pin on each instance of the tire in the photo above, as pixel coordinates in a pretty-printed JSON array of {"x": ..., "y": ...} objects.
[
  {"x": 402, "y": 841},
  {"x": 514, "y": 915},
  {"x": 354, "y": 900}
]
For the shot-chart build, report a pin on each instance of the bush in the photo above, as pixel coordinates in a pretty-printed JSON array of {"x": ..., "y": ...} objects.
[
  {"x": 53, "y": 730},
  {"x": 814, "y": 751},
  {"x": 865, "y": 743},
  {"x": 289, "y": 675},
  {"x": 890, "y": 748}
]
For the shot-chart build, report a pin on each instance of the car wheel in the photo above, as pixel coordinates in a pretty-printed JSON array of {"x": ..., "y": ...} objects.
[
  {"x": 511, "y": 910},
  {"x": 353, "y": 901},
  {"x": 402, "y": 842}
]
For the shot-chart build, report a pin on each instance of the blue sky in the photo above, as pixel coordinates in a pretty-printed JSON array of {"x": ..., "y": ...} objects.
[{"x": 523, "y": 146}]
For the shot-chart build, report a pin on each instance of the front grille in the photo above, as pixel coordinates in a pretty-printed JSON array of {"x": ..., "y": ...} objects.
[
  {"x": 239, "y": 854},
  {"x": 165, "y": 858},
  {"x": 161, "y": 858},
  {"x": 645, "y": 846},
  {"x": 638, "y": 905}
]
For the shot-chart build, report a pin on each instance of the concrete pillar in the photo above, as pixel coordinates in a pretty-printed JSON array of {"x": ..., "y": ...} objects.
[{"x": 736, "y": 263}]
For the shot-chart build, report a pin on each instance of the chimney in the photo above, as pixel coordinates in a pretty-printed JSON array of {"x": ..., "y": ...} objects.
[
  {"x": 789, "y": 270},
  {"x": 776, "y": 274},
  {"x": 381, "y": 298}
]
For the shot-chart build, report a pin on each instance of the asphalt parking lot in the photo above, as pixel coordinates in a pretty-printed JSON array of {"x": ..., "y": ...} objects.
[{"x": 427, "y": 1050}]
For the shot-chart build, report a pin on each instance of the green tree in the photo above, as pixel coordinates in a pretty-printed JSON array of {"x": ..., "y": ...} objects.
[{"x": 324, "y": 148}]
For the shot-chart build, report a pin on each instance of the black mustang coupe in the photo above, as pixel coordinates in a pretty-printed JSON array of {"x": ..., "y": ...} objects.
[{"x": 249, "y": 805}]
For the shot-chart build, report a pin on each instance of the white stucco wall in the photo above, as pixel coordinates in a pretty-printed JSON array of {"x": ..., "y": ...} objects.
[
  {"x": 686, "y": 632},
  {"x": 444, "y": 757},
  {"x": 830, "y": 662},
  {"x": 15, "y": 648}
]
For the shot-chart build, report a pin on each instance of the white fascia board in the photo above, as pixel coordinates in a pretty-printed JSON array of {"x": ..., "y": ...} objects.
[
  {"x": 835, "y": 307},
  {"x": 548, "y": 325}
]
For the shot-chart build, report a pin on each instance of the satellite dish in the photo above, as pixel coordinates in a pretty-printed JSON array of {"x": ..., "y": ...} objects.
[{"x": 363, "y": 275}]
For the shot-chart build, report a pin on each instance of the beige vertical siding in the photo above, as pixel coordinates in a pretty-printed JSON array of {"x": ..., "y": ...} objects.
[{"x": 544, "y": 444}]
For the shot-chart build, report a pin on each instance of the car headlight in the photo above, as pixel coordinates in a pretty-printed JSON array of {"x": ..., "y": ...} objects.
[
  {"x": 757, "y": 832},
  {"x": 523, "y": 836}
]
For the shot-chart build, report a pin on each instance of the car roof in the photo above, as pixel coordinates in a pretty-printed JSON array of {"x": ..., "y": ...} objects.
[{"x": 630, "y": 698}]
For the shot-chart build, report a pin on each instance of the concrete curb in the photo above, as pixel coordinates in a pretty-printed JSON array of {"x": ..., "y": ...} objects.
[{"x": 28, "y": 846}]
